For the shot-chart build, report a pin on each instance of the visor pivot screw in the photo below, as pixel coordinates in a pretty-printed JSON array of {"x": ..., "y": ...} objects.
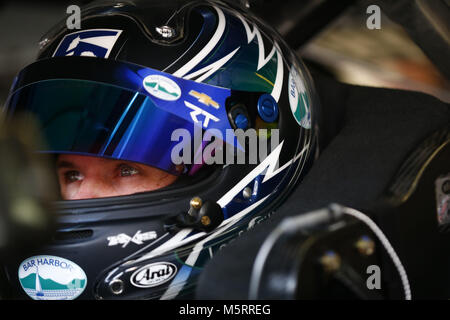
[
  {"x": 365, "y": 246},
  {"x": 196, "y": 203},
  {"x": 116, "y": 286},
  {"x": 205, "y": 220},
  {"x": 330, "y": 261},
  {"x": 241, "y": 121},
  {"x": 166, "y": 32},
  {"x": 267, "y": 108},
  {"x": 247, "y": 192},
  {"x": 43, "y": 43}
]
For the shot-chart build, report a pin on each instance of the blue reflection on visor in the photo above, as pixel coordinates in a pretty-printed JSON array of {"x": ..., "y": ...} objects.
[{"x": 94, "y": 118}]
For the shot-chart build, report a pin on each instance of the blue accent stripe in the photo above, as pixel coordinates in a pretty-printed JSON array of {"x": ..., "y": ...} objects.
[
  {"x": 133, "y": 126},
  {"x": 120, "y": 122}
]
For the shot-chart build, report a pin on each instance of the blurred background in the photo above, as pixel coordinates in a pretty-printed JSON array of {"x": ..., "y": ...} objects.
[{"x": 345, "y": 48}]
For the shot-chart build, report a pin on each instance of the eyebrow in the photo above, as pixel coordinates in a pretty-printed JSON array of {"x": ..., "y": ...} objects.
[{"x": 65, "y": 164}]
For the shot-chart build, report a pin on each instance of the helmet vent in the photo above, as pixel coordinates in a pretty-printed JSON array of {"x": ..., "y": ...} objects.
[{"x": 73, "y": 235}]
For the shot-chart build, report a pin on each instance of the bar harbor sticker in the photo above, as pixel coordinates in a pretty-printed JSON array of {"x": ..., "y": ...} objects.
[
  {"x": 51, "y": 278},
  {"x": 162, "y": 87}
]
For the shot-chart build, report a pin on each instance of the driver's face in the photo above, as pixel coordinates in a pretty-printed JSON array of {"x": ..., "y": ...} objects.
[{"x": 83, "y": 177}]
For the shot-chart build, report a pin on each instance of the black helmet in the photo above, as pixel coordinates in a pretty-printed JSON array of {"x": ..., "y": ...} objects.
[{"x": 119, "y": 88}]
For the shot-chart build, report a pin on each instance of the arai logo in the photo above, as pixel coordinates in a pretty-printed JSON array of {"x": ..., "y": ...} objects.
[
  {"x": 51, "y": 278},
  {"x": 298, "y": 99},
  {"x": 162, "y": 87},
  {"x": 153, "y": 275}
]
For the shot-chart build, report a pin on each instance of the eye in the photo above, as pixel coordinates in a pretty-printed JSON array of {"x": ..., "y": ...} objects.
[
  {"x": 127, "y": 171},
  {"x": 72, "y": 176}
]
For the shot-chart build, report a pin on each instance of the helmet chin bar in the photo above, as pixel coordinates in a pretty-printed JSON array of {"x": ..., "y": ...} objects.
[{"x": 140, "y": 278}]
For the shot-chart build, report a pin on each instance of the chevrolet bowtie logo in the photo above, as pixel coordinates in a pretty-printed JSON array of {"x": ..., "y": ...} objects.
[{"x": 204, "y": 98}]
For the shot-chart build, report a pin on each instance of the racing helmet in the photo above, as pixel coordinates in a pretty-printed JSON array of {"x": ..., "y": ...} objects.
[{"x": 176, "y": 85}]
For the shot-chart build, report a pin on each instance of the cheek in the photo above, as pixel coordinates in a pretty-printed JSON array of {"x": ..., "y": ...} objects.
[
  {"x": 146, "y": 183},
  {"x": 167, "y": 180},
  {"x": 162, "y": 179},
  {"x": 68, "y": 191},
  {"x": 132, "y": 185}
]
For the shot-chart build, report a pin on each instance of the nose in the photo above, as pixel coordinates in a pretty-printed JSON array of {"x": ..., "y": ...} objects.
[{"x": 94, "y": 188}]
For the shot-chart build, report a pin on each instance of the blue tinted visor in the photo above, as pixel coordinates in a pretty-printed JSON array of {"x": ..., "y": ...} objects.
[{"x": 117, "y": 110}]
